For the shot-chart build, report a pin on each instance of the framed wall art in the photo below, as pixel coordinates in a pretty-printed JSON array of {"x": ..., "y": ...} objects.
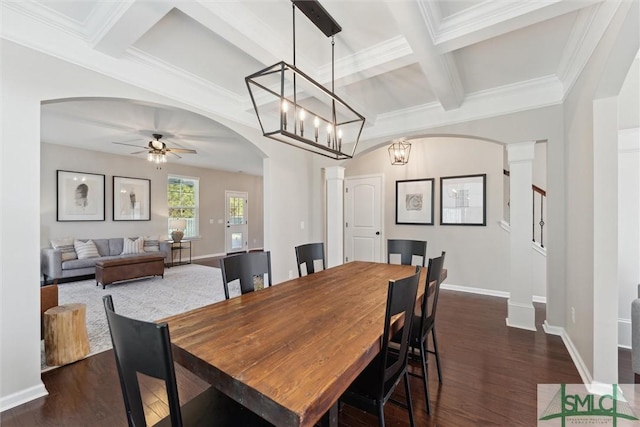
[
  {"x": 79, "y": 196},
  {"x": 463, "y": 200},
  {"x": 414, "y": 201},
  {"x": 131, "y": 199}
]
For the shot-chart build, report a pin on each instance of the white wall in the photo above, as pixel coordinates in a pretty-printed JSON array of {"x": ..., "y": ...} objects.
[
  {"x": 476, "y": 256},
  {"x": 213, "y": 184},
  {"x": 628, "y": 230},
  {"x": 292, "y": 187}
]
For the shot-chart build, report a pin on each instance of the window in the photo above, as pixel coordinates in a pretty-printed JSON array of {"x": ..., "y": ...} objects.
[{"x": 182, "y": 197}]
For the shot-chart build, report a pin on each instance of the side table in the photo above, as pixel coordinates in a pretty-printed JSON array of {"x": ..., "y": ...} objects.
[
  {"x": 65, "y": 334},
  {"x": 177, "y": 248}
]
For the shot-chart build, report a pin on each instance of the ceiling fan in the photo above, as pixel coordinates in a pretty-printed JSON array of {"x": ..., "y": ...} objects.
[{"x": 157, "y": 150}]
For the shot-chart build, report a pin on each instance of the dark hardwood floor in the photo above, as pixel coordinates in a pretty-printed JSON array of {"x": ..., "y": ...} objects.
[{"x": 490, "y": 373}]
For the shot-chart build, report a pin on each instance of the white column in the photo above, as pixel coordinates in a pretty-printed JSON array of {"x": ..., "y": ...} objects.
[
  {"x": 521, "y": 313},
  {"x": 605, "y": 241},
  {"x": 334, "y": 177}
]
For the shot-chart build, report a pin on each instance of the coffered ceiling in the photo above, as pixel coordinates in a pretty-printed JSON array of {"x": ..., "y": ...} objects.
[{"x": 406, "y": 65}]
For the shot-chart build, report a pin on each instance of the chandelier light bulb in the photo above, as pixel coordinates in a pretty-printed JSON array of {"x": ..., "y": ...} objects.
[
  {"x": 285, "y": 108},
  {"x": 302, "y": 115},
  {"x": 316, "y": 125}
]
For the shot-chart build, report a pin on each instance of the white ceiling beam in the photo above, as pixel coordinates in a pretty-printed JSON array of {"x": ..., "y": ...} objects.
[
  {"x": 439, "y": 69},
  {"x": 134, "y": 20},
  {"x": 491, "y": 19}
]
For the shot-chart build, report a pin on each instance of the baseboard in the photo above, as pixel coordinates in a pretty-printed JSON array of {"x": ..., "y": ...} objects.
[
  {"x": 552, "y": 330},
  {"x": 472, "y": 290},
  {"x": 222, "y": 254},
  {"x": 209, "y": 256},
  {"x": 521, "y": 316},
  {"x": 577, "y": 360},
  {"x": 488, "y": 292},
  {"x": 23, "y": 396},
  {"x": 624, "y": 333}
]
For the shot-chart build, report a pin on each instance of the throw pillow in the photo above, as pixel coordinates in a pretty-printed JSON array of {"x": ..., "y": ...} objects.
[
  {"x": 151, "y": 244},
  {"x": 133, "y": 246},
  {"x": 66, "y": 245},
  {"x": 86, "y": 249}
]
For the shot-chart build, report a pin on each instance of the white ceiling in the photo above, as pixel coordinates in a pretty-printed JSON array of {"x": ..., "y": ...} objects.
[{"x": 406, "y": 65}]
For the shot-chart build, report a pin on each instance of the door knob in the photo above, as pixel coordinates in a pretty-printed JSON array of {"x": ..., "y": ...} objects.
[{"x": 377, "y": 233}]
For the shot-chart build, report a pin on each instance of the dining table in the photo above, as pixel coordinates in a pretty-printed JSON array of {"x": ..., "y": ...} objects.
[{"x": 289, "y": 351}]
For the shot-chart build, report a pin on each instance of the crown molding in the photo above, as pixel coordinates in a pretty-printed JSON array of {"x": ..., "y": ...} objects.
[
  {"x": 490, "y": 19},
  {"x": 361, "y": 62},
  {"x": 239, "y": 26},
  {"x": 103, "y": 17},
  {"x": 585, "y": 36},
  {"x": 513, "y": 98},
  {"x": 142, "y": 57},
  {"x": 38, "y": 12},
  {"x": 432, "y": 17}
]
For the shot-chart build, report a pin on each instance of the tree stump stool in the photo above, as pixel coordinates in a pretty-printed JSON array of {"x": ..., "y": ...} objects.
[{"x": 65, "y": 334}]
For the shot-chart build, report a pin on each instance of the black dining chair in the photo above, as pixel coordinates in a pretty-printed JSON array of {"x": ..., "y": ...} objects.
[
  {"x": 249, "y": 268},
  {"x": 145, "y": 348},
  {"x": 407, "y": 249},
  {"x": 374, "y": 386},
  {"x": 425, "y": 323},
  {"x": 307, "y": 254}
]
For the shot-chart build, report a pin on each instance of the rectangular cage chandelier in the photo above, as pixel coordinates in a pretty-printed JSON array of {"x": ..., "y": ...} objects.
[{"x": 295, "y": 109}]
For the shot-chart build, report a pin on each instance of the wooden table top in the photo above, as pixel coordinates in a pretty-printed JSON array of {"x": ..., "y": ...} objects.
[{"x": 288, "y": 352}]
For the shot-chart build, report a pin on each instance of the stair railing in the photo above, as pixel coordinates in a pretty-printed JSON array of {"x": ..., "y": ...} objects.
[{"x": 539, "y": 194}]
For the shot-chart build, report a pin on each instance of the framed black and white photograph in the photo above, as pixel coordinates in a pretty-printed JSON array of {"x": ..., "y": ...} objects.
[
  {"x": 80, "y": 196},
  {"x": 463, "y": 200},
  {"x": 414, "y": 201},
  {"x": 131, "y": 199}
]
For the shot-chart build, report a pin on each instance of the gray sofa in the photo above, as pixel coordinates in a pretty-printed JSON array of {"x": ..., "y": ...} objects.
[{"x": 54, "y": 268}]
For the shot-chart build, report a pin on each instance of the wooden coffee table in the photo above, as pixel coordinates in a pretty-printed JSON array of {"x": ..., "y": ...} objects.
[{"x": 114, "y": 270}]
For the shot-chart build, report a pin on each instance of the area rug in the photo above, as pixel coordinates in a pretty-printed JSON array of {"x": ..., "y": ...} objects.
[{"x": 183, "y": 288}]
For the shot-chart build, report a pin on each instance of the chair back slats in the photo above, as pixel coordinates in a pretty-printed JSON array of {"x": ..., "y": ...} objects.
[
  {"x": 401, "y": 299},
  {"x": 307, "y": 254},
  {"x": 142, "y": 347},
  {"x": 430, "y": 301},
  {"x": 244, "y": 267},
  {"x": 407, "y": 249}
]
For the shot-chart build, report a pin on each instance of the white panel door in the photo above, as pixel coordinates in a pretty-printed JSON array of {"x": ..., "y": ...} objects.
[
  {"x": 363, "y": 219},
  {"x": 237, "y": 222}
]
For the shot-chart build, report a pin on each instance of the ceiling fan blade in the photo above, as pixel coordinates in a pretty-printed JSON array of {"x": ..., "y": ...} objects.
[
  {"x": 169, "y": 152},
  {"x": 139, "y": 152},
  {"x": 181, "y": 150},
  {"x": 130, "y": 145}
]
